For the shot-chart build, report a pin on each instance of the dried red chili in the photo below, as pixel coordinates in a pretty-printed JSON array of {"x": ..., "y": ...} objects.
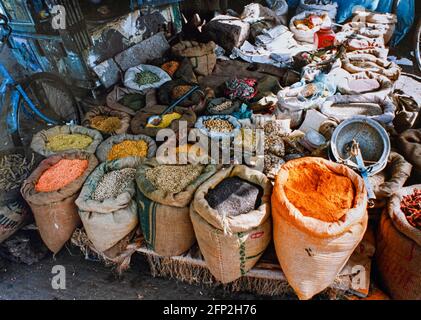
[{"x": 411, "y": 207}]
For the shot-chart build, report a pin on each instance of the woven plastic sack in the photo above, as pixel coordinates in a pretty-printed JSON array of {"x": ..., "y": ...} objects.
[
  {"x": 130, "y": 77},
  {"x": 109, "y": 221},
  {"x": 105, "y": 147},
  {"x": 307, "y": 35},
  {"x": 218, "y": 135},
  {"x": 40, "y": 139}
]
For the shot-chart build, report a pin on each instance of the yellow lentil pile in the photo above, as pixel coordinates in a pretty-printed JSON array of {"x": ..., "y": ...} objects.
[
  {"x": 62, "y": 142},
  {"x": 167, "y": 119},
  {"x": 173, "y": 178},
  {"x": 128, "y": 148},
  {"x": 106, "y": 124}
]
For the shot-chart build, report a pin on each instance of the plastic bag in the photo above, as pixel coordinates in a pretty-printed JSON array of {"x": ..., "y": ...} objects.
[
  {"x": 131, "y": 74},
  {"x": 346, "y": 7}
]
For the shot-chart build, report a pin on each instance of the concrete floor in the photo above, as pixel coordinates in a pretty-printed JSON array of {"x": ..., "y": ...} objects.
[{"x": 92, "y": 280}]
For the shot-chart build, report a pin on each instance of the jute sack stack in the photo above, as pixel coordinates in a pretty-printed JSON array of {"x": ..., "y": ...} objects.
[
  {"x": 40, "y": 140},
  {"x": 109, "y": 221},
  {"x": 398, "y": 254},
  {"x": 56, "y": 213},
  {"x": 105, "y": 147},
  {"x": 312, "y": 252},
  {"x": 164, "y": 217},
  {"x": 231, "y": 246},
  {"x": 201, "y": 55}
]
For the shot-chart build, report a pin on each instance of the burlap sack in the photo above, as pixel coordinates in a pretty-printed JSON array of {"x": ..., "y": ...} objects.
[
  {"x": 55, "y": 213},
  {"x": 109, "y": 221},
  {"x": 40, "y": 139},
  {"x": 231, "y": 246},
  {"x": 398, "y": 254},
  {"x": 355, "y": 63},
  {"x": 105, "y": 111},
  {"x": 409, "y": 143},
  {"x": 118, "y": 93},
  {"x": 140, "y": 120},
  {"x": 201, "y": 55},
  {"x": 105, "y": 147},
  {"x": 166, "y": 95},
  {"x": 312, "y": 252},
  {"x": 164, "y": 217}
]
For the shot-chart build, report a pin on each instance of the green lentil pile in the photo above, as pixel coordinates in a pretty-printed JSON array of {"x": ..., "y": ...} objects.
[
  {"x": 113, "y": 184},
  {"x": 218, "y": 125},
  {"x": 146, "y": 77},
  {"x": 14, "y": 169},
  {"x": 234, "y": 196},
  {"x": 173, "y": 178}
]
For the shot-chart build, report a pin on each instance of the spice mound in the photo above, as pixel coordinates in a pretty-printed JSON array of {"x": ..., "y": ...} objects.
[
  {"x": 128, "y": 148},
  {"x": 173, "y": 178},
  {"x": 106, "y": 124},
  {"x": 179, "y": 91},
  {"x": 218, "y": 125},
  {"x": 61, "y": 174},
  {"x": 113, "y": 184},
  {"x": 14, "y": 169},
  {"x": 318, "y": 192},
  {"x": 63, "y": 142},
  {"x": 170, "y": 67},
  {"x": 166, "y": 121},
  {"x": 233, "y": 197},
  {"x": 411, "y": 207},
  {"x": 146, "y": 77}
]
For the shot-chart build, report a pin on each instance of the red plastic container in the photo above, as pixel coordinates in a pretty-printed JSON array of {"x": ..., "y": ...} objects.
[{"x": 325, "y": 37}]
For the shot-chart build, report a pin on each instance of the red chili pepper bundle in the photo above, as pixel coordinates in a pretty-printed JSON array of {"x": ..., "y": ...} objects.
[{"x": 411, "y": 207}]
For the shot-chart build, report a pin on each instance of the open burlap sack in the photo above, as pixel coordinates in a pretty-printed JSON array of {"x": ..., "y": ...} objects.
[
  {"x": 167, "y": 94},
  {"x": 201, "y": 55},
  {"x": 164, "y": 217},
  {"x": 105, "y": 147},
  {"x": 40, "y": 140},
  {"x": 56, "y": 213},
  {"x": 312, "y": 252},
  {"x": 118, "y": 93},
  {"x": 109, "y": 221},
  {"x": 398, "y": 254},
  {"x": 105, "y": 111},
  {"x": 140, "y": 120},
  {"x": 231, "y": 246}
]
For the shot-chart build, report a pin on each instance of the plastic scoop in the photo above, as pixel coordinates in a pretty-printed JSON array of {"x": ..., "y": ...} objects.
[{"x": 156, "y": 120}]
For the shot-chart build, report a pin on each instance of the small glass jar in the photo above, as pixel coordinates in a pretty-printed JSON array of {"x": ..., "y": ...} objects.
[{"x": 324, "y": 38}]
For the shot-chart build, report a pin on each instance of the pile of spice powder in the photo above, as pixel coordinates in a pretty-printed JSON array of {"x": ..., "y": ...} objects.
[
  {"x": 173, "y": 178},
  {"x": 63, "y": 142},
  {"x": 166, "y": 121},
  {"x": 218, "y": 125},
  {"x": 61, "y": 174},
  {"x": 234, "y": 196},
  {"x": 170, "y": 67},
  {"x": 113, "y": 184},
  {"x": 146, "y": 77},
  {"x": 318, "y": 192},
  {"x": 128, "y": 148},
  {"x": 14, "y": 169},
  {"x": 106, "y": 124},
  {"x": 411, "y": 207}
]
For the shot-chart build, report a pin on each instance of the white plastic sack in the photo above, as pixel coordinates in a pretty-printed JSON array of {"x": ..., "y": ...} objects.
[
  {"x": 331, "y": 8},
  {"x": 280, "y": 7},
  {"x": 307, "y": 35},
  {"x": 130, "y": 77}
]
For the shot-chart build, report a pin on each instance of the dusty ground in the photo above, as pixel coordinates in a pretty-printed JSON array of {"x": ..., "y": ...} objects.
[{"x": 92, "y": 280}]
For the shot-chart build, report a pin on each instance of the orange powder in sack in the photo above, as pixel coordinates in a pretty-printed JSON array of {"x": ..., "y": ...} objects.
[
  {"x": 318, "y": 192},
  {"x": 61, "y": 174}
]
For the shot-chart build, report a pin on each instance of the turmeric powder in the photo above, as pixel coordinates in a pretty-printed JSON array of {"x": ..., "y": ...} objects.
[
  {"x": 318, "y": 192},
  {"x": 106, "y": 124},
  {"x": 128, "y": 148}
]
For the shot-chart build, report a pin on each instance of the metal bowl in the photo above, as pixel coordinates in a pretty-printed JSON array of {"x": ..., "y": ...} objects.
[{"x": 372, "y": 138}]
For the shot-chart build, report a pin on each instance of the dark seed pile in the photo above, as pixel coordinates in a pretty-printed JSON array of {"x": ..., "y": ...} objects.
[{"x": 234, "y": 196}]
